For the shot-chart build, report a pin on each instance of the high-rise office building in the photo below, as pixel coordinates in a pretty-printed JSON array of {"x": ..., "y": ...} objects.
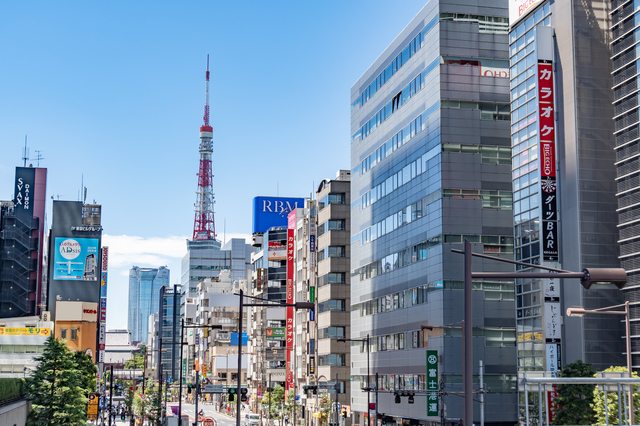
[
  {"x": 22, "y": 245},
  {"x": 144, "y": 295},
  {"x": 624, "y": 14},
  {"x": 564, "y": 180},
  {"x": 205, "y": 259},
  {"x": 169, "y": 326},
  {"x": 430, "y": 167}
]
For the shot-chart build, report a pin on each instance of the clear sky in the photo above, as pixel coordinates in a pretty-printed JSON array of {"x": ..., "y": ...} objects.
[{"x": 112, "y": 93}]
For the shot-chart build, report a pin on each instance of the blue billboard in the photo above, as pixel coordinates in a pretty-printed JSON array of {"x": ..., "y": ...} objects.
[
  {"x": 269, "y": 212},
  {"x": 76, "y": 259},
  {"x": 234, "y": 339}
]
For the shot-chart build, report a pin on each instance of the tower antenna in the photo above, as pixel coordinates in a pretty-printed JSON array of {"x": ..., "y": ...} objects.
[
  {"x": 204, "y": 227},
  {"x": 25, "y": 152}
]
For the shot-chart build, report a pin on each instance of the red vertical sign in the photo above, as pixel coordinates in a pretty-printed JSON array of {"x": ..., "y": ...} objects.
[
  {"x": 551, "y": 404},
  {"x": 290, "y": 276}
]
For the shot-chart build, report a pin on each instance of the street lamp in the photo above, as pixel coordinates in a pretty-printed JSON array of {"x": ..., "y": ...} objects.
[
  {"x": 296, "y": 306},
  {"x": 587, "y": 277},
  {"x": 367, "y": 339},
  {"x": 580, "y": 312}
]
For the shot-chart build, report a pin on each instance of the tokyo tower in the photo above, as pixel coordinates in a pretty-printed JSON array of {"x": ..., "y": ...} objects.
[{"x": 204, "y": 227}]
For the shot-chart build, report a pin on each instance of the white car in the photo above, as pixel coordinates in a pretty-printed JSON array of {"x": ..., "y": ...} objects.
[{"x": 250, "y": 419}]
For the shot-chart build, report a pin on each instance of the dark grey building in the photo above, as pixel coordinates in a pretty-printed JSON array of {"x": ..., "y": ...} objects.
[
  {"x": 430, "y": 158},
  {"x": 74, "y": 253},
  {"x": 624, "y": 16},
  {"x": 169, "y": 328}
]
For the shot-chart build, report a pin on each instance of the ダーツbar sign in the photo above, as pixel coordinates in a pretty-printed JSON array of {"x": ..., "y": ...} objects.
[{"x": 432, "y": 383}]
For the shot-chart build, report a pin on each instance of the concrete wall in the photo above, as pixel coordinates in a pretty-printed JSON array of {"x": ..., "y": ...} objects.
[{"x": 14, "y": 414}]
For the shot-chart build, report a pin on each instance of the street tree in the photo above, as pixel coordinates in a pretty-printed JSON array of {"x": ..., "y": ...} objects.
[
  {"x": 88, "y": 370},
  {"x": 612, "y": 402},
  {"x": 56, "y": 388},
  {"x": 575, "y": 401}
]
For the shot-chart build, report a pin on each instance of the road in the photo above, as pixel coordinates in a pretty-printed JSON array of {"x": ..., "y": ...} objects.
[{"x": 209, "y": 411}]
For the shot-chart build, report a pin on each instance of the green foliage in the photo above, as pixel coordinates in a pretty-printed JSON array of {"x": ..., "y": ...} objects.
[
  {"x": 325, "y": 403},
  {"x": 11, "y": 388},
  {"x": 56, "y": 388},
  {"x": 137, "y": 362},
  {"x": 612, "y": 402},
  {"x": 575, "y": 401},
  {"x": 277, "y": 396},
  {"x": 128, "y": 397},
  {"x": 88, "y": 371},
  {"x": 149, "y": 407},
  {"x": 534, "y": 418}
]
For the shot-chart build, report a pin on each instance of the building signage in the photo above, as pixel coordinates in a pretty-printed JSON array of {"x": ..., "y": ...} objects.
[
  {"x": 277, "y": 251},
  {"x": 103, "y": 271},
  {"x": 432, "y": 384},
  {"x": 519, "y": 8},
  {"x": 553, "y": 358},
  {"x": 547, "y": 132},
  {"x": 92, "y": 406},
  {"x": 25, "y": 184},
  {"x": 552, "y": 321},
  {"x": 269, "y": 212},
  {"x": 494, "y": 72},
  {"x": 273, "y": 354},
  {"x": 24, "y": 331},
  {"x": 552, "y": 405},
  {"x": 277, "y": 374},
  {"x": 94, "y": 228},
  {"x": 275, "y": 333},
  {"x": 76, "y": 259},
  {"x": 103, "y": 309},
  {"x": 290, "y": 385}
]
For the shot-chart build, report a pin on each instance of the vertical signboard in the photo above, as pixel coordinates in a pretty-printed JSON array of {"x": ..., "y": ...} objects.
[
  {"x": 432, "y": 383},
  {"x": 290, "y": 385},
  {"x": 552, "y": 405},
  {"x": 24, "y": 187},
  {"x": 547, "y": 132}
]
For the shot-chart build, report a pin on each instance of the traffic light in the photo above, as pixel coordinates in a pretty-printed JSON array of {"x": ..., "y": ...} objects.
[
  {"x": 312, "y": 388},
  {"x": 243, "y": 394},
  {"x": 232, "y": 394},
  {"x": 189, "y": 387},
  {"x": 411, "y": 400},
  {"x": 397, "y": 400},
  {"x": 122, "y": 416}
]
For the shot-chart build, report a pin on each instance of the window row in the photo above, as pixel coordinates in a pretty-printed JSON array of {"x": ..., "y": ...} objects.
[
  {"x": 490, "y": 154},
  {"x": 331, "y": 333},
  {"x": 488, "y": 110},
  {"x": 529, "y": 23},
  {"x": 393, "y": 381},
  {"x": 396, "y": 102},
  {"x": 486, "y": 24},
  {"x": 331, "y": 225},
  {"x": 407, "y": 215},
  {"x": 333, "y": 360},
  {"x": 418, "y": 252},
  {"x": 332, "y": 278},
  {"x": 331, "y": 251},
  {"x": 408, "y": 173},
  {"x": 396, "y": 141},
  {"x": 72, "y": 335},
  {"x": 21, "y": 349},
  {"x": 397, "y": 63},
  {"x": 15, "y": 368},
  {"x": 332, "y": 306},
  {"x": 490, "y": 199},
  {"x": 418, "y": 296},
  {"x": 331, "y": 199}
]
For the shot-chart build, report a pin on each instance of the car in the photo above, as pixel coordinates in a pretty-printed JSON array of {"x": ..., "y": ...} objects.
[{"x": 250, "y": 419}]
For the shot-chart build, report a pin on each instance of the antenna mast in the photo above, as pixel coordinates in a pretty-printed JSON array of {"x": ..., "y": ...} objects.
[
  {"x": 204, "y": 224},
  {"x": 25, "y": 152}
]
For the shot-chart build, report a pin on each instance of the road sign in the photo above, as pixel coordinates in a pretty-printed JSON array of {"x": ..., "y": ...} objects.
[
  {"x": 208, "y": 422},
  {"x": 169, "y": 380},
  {"x": 213, "y": 389},
  {"x": 92, "y": 407}
]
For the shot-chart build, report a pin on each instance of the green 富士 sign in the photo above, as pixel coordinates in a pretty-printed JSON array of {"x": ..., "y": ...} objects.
[{"x": 432, "y": 383}]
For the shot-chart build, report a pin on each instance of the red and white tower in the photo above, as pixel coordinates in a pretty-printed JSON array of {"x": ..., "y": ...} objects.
[{"x": 204, "y": 227}]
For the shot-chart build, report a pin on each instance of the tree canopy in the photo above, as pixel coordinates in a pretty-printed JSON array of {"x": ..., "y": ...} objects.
[
  {"x": 612, "y": 402},
  {"x": 575, "y": 401},
  {"x": 59, "y": 386}
]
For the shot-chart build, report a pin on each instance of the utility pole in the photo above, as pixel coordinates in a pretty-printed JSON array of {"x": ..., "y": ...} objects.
[
  {"x": 376, "y": 400},
  {"x": 197, "y": 385},
  {"x": 180, "y": 384},
  {"x": 110, "y": 394}
]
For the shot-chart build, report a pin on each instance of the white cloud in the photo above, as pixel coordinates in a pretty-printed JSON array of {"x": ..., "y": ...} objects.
[{"x": 126, "y": 250}]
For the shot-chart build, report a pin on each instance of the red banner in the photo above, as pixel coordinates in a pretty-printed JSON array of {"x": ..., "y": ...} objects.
[
  {"x": 290, "y": 385},
  {"x": 551, "y": 404},
  {"x": 545, "y": 103}
]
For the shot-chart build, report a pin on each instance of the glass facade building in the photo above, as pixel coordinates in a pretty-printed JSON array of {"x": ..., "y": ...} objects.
[
  {"x": 170, "y": 331},
  {"x": 430, "y": 158},
  {"x": 563, "y": 181},
  {"x": 144, "y": 293},
  {"x": 625, "y": 52}
]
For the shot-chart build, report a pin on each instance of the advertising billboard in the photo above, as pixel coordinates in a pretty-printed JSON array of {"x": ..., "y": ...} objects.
[
  {"x": 277, "y": 250},
  {"x": 76, "y": 259},
  {"x": 519, "y": 8},
  {"x": 269, "y": 212}
]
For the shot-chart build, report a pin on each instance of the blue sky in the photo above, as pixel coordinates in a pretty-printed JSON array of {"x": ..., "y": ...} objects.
[{"x": 113, "y": 93}]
